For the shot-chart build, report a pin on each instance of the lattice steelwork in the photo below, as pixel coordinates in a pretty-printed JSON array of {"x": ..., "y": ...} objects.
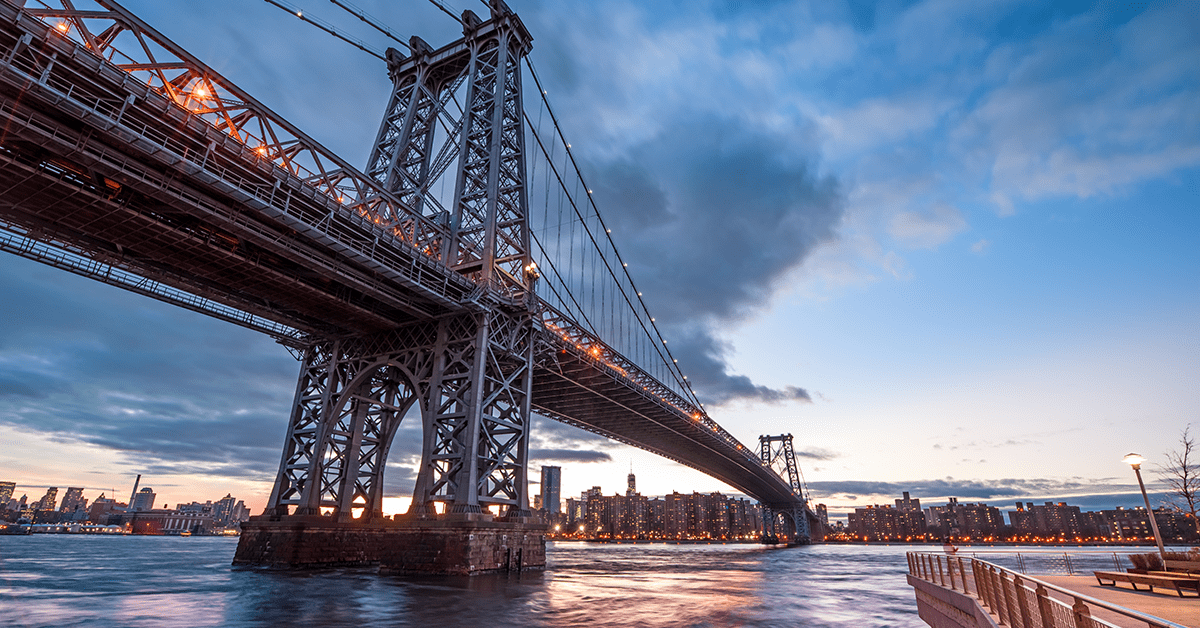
[
  {"x": 125, "y": 159},
  {"x": 488, "y": 212},
  {"x": 473, "y": 372},
  {"x": 471, "y": 376},
  {"x": 777, "y": 453}
]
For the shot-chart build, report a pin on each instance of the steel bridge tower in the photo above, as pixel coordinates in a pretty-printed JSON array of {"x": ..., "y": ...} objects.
[
  {"x": 469, "y": 374},
  {"x": 790, "y": 519}
]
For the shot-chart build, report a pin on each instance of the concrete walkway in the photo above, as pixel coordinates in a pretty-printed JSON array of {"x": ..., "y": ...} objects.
[{"x": 1162, "y": 603}]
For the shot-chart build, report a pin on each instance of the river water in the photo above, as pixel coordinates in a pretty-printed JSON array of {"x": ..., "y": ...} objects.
[{"x": 79, "y": 580}]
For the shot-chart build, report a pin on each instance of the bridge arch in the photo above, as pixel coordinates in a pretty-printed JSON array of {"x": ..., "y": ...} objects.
[{"x": 360, "y": 428}]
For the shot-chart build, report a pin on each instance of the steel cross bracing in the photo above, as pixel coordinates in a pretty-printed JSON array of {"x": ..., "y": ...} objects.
[
  {"x": 777, "y": 453},
  {"x": 125, "y": 159}
]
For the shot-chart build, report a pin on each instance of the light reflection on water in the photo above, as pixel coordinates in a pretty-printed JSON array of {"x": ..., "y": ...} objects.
[{"x": 67, "y": 580}]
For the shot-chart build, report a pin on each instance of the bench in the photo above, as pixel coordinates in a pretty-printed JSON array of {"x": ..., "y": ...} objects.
[
  {"x": 1184, "y": 566},
  {"x": 1150, "y": 580}
]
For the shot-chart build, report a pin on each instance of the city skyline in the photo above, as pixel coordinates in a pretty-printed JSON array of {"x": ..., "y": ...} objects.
[{"x": 961, "y": 270}]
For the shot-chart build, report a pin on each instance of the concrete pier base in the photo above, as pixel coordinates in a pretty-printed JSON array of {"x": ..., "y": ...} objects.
[{"x": 407, "y": 546}]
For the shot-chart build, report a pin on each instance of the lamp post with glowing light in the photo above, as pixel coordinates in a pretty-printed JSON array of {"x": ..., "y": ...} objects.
[{"x": 1136, "y": 461}]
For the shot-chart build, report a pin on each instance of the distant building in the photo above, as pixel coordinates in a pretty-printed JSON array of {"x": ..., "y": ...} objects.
[
  {"x": 102, "y": 509},
  {"x": 73, "y": 500},
  {"x": 1051, "y": 520},
  {"x": 907, "y": 503},
  {"x": 6, "y": 493},
  {"x": 48, "y": 500},
  {"x": 143, "y": 500},
  {"x": 552, "y": 489}
]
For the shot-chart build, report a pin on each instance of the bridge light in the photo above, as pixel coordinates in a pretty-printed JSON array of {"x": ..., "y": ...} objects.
[
  {"x": 63, "y": 26},
  {"x": 200, "y": 91}
]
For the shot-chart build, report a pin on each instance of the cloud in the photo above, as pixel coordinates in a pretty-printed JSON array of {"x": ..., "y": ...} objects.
[
  {"x": 1068, "y": 117},
  {"x": 941, "y": 489},
  {"x": 569, "y": 455},
  {"x": 712, "y": 213},
  {"x": 929, "y": 229},
  {"x": 817, "y": 453}
]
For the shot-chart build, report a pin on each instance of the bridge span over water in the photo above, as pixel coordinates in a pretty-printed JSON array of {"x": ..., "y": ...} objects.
[{"x": 125, "y": 159}]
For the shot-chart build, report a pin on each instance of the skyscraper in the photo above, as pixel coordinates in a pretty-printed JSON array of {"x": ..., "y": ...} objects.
[
  {"x": 73, "y": 500},
  {"x": 144, "y": 500},
  {"x": 552, "y": 489},
  {"x": 6, "y": 492},
  {"x": 48, "y": 500},
  {"x": 630, "y": 484}
]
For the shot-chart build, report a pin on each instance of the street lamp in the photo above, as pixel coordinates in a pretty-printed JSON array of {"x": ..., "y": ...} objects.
[{"x": 1136, "y": 461}]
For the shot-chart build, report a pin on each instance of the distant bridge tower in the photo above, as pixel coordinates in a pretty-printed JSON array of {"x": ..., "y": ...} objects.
[{"x": 777, "y": 453}]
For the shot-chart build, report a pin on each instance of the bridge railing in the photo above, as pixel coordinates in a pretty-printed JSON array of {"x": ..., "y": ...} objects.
[
  {"x": 571, "y": 337},
  {"x": 120, "y": 38},
  {"x": 1020, "y": 600}
]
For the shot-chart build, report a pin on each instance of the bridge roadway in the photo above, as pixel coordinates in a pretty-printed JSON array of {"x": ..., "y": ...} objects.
[{"x": 142, "y": 192}]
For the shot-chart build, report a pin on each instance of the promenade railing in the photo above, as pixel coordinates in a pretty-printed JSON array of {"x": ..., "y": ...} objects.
[{"x": 1020, "y": 600}]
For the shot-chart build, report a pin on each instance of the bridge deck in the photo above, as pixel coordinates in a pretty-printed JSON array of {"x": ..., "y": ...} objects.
[{"x": 117, "y": 172}]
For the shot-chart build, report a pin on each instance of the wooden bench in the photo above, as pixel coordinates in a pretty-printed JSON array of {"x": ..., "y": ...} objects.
[
  {"x": 1151, "y": 580},
  {"x": 1184, "y": 566}
]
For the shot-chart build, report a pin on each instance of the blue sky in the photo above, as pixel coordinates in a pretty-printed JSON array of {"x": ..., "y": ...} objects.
[{"x": 968, "y": 231}]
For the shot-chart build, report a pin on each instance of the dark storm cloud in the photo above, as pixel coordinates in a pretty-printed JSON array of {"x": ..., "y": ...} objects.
[
  {"x": 714, "y": 206},
  {"x": 711, "y": 214},
  {"x": 167, "y": 388}
]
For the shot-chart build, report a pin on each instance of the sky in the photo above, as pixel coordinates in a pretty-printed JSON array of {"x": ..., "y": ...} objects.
[{"x": 950, "y": 247}]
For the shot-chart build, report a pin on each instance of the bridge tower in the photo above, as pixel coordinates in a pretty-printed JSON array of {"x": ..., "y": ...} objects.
[
  {"x": 790, "y": 519},
  {"x": 469, "y": 374}
]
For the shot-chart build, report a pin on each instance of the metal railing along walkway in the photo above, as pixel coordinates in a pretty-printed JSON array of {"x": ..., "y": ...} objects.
[{"x": 1019, "y": 600}]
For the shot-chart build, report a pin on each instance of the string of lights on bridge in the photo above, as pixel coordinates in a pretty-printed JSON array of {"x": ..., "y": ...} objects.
[{"x": 216, "y": 100}]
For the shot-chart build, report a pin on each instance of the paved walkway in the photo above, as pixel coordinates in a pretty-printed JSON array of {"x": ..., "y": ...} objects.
[{"x": 1162, "y": 603}]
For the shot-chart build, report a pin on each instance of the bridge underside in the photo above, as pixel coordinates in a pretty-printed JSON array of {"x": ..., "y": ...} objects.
[
  {"x": 127, "y": 179},
  {"x": 106, "y": 167},
  {"x": 571, "y": 387}
]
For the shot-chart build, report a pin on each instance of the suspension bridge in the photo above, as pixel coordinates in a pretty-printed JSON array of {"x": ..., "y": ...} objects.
[{"x": 465, "y": 272}]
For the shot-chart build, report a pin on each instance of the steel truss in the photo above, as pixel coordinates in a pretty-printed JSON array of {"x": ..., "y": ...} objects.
[
  {"x": 777, "y": 453},
  {"x": 470, "y": 376},
  {"x": 488, "y": 220},
  {"x": 142, "y": 167}
]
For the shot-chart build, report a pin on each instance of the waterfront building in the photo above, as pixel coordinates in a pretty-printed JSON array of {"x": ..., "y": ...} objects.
[
  {"x": 101, "y": 510},
  {"x": 143, "y": 500},
  {"x": 73, "y": 500},
  {"x": 6, "y": 493},
  {"x": 229, "y": 511},
  {"x": 575, "y": 510},
  {"x": 189, "y": 521},
  {"x": 552, "y": 489},
  {"x": 656, "y": 517},
  {"x": 48, "y": 500},
  {"x": 1051, "y": 520},
  {"x": 206, "y": 507},
  {"x": 907, "y": 503}
]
